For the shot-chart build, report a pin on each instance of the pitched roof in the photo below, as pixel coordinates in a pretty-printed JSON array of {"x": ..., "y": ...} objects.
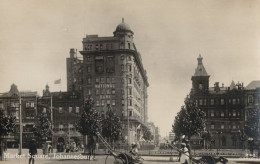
[
  {"x": 200, "y": 70},
  {"x": 253, "y": 85}
]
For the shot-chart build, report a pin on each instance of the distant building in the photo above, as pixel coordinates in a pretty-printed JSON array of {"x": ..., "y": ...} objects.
[
  {"x": 224, "y": 107},
  {"x": 66, "y": 110},
  {"x": 10, "y": 103}
]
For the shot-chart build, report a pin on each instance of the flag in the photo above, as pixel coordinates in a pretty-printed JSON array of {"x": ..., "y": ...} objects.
[{"x": 57, "y": 81}]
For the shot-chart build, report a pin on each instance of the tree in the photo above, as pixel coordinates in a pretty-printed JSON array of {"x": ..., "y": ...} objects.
[
  {"x": 251, "y": 128},
  {"x": 189, "y": 121},
  {"x": 7, "y": 125},
  {"x": 147, "y": 135},
  {"x": 111, "y": 126},
  {"x": 90, "y": 122},
  {"x": 42, "y": 129}
]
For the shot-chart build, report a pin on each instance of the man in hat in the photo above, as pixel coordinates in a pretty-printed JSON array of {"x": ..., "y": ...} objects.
[
  {"x": 185, "y": 156},
  {"x": 32, "y": 150}
]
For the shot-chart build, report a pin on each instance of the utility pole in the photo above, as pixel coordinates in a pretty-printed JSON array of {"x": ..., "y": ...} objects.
[
  {"x": 52, "y": 145},
  {"x": 21, "y": 126}
]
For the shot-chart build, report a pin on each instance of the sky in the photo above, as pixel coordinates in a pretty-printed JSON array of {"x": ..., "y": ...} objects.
[{"x": 36, "y": 36}]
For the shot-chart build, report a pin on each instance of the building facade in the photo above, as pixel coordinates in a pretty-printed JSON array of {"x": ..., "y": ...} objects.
[
  {"x": 112, "y": 74},
  {"x": 11, "y": 102},
  {"x": 224, "y": 107}
]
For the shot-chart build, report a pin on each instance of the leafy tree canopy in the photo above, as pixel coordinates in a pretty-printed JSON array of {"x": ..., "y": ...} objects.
[
  {"x": 7, "y": 124},
  {"x": 89, "y": 122},
  {"x": 189, "y": 121},
  {"x": 42, "y": 129},
  {"x": 252, "y": 124},
  {"x": 111, "y": 126}
]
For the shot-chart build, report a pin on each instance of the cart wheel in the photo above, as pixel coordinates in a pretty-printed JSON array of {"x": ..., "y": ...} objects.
[
  {"x": 208, "y": 159},
  {"x": 203, "y": 161}
]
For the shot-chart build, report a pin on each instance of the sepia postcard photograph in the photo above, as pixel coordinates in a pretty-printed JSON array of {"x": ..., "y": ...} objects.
[{"x": 129, "y": 81}]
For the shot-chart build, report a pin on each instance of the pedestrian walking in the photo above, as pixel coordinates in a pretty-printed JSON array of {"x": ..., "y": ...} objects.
[{"x": 32, "y": 150}]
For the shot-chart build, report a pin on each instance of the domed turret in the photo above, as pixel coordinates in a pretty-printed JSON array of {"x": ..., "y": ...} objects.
[{"x": 123, "y": 27}]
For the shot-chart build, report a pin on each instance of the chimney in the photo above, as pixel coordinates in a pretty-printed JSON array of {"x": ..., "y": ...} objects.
[
  {"x": 72, "y": 53},
  {"x": 216, "y": 85}
]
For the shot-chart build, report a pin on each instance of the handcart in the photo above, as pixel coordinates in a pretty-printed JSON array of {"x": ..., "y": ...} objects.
[
  {"x": 206, "y": 159},
  {"x": 120, "y": 157}
]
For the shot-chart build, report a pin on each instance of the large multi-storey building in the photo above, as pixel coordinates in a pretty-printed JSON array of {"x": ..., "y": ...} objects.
[
  {"x": 11, "y": 102},
  {"x": 224, "y": 107},
  {"x": 112, "y": 74},
  {"x": 63, "y": 110}
]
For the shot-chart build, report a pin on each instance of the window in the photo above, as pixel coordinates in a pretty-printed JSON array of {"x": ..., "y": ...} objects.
[
  {"x": 250, "y": 99},
  {"x": 212, "y": 113},
  {"x": 238, "y": 101},
  {"x": 44, "y": 110},
  {"x": 129, "y": 91},
  {"x": 88, "y": 69},
  {"x": 60, "y": 110},
  {"x": 89, "y": 80},
  {"x": 130, "y": 113},
  {"x": 70, "y": 109},
  {"x": 222, "y": 101},
  {"x": 97, "y": 103},
  {"x": 27, "y": 104},
  {"x": 234, "y": 126},
  {"x": 88, "y": 58},
  {"x": 123, "y": 102},
  {"x": 122, "y": 57},
  {"x": 108, "y": 91},
  {"x": 200, "y": 86},
  {"x": 222, "y": 114},
  {"x": 113, "y": 91},
  {"x": 77, "y": 109},
  {"x": 97, "y": 80},
  {"x": 96, "y": 46},
  {"x": 71, "y": 127},
  {"x": 101, "y": 46},
  {"x": 233, "y": 101},
  {"x": 89, "y": 91},
  {"x": 108, "y": 80},
  {"x": 246, "y": 115},
  {"x": 205, "y": 101},
  {"x": 129, "y": 102},
  {"x": 108, "y": 102},
  {"x": 113, "y": 80},
  {"x": 129, "y": 68},
  {"x": 234, "y": 113},
  {"x": 102, "y": 102},
  {"x": 129, "y": 47},
  {"x": 129, "y": 81},
  {"x": 60, "y": 127},
  {"x": 102, "y": 80},
  {"x": 212, "y": 126},
  {"x": 200, "y": 102},
  {"x": 222, "y": 126},
  {"x": 97, "y": 91},
  {"x": 113, "y": 102}
]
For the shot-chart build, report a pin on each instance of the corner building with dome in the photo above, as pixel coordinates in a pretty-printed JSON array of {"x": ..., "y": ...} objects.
[{"x": 112, "y": 74}]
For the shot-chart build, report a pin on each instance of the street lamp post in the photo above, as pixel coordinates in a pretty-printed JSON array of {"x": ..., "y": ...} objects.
[{"x": 21, "y": 126}]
